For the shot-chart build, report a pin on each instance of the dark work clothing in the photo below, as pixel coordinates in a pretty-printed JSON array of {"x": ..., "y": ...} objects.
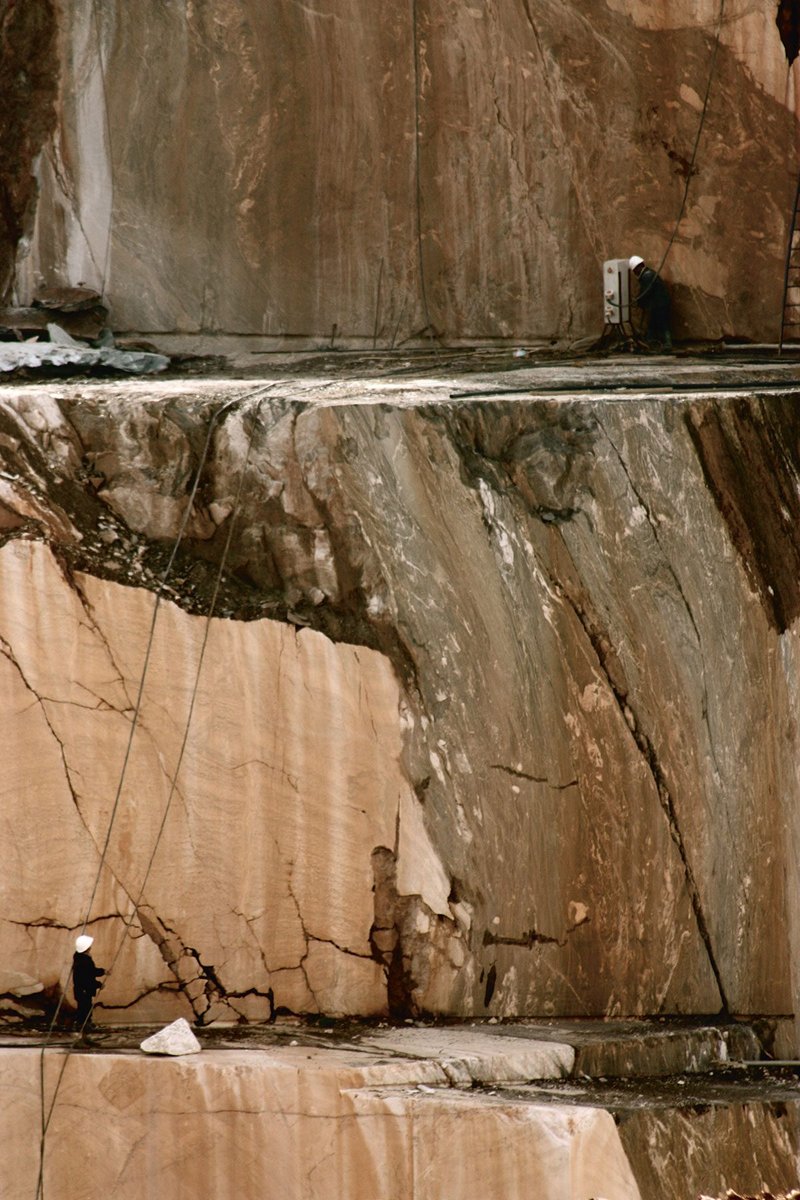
[
  {"x": 653, "y": 299},
  {"x": 85, "y": 985}
]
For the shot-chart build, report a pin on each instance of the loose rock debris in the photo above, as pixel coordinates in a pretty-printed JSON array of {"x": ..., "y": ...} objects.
[
  {"x": 62, "y": 316},
  {"x": 174, "y": 1039}
]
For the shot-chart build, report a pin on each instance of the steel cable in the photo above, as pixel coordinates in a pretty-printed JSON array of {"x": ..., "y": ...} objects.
[{"x": 45, "y": 1119}]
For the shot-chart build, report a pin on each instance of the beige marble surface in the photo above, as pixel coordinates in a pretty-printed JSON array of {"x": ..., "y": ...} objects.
[
  {"x": 262, "y": 877},
  {"x": 293, "y": 1124}
]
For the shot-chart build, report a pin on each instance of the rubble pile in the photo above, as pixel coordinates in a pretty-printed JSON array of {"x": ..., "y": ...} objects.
[{"x": 65, "y": 329}]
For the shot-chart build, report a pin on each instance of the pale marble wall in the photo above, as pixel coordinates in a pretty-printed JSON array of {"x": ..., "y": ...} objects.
[
  {"x": 291, "y": 777},
  {"x": 267, "y": 168}
]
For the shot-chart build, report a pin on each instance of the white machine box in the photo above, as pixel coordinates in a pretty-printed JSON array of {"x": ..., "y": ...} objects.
[{"x": 616, "y": 291}]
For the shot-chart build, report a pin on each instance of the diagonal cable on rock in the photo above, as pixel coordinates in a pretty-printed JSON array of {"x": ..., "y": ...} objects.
[{"x": 46, "y": 1117}]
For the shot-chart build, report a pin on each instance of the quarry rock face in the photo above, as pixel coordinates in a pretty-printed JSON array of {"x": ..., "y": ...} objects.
[
  {"x": 320, "y": 171},
  {"x": 494, "y": 713}
]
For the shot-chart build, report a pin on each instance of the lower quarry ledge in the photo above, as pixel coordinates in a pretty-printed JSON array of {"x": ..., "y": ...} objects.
[{"x": 410, "y": 1112}]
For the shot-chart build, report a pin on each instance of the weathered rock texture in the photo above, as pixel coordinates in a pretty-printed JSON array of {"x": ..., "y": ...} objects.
[
  {"x": 309, "y": 170},
  {"x": 496, "y": 715},
  {"x": 675, "y": 1154}
]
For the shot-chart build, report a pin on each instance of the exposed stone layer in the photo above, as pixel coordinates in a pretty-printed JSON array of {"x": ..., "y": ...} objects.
[
  {"x": 672, "y": 1153},
  {"x": 513, "y": 731},
  {"x": 315, "y": 171},
  {"x": 411, "y": 1114},
  {"x": 293, "y": 1124},
  {"x": 261, "y": 877}
]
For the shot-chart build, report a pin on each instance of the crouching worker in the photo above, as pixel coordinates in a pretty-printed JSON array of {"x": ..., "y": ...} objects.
[
  {"x": 653, "y": 299},
  {"x": 84, "y": 981}
]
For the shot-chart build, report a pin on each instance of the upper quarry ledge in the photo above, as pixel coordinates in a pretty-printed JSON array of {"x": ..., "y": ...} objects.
[{"x": 331, "y": 379}]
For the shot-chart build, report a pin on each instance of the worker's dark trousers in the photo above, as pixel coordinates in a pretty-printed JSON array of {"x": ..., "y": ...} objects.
[
  {"x": 83, "y": 1017},
  {"x": 658, "y": 324}
]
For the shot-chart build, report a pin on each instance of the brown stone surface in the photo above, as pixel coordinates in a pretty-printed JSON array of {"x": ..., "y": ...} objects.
[
  {"x": 532, "y": 749},
  {"x": 317, "y": 171},
  {"x": 240, "y": 896},
  {"x": 390, "y": 1113},
  {"x": 744, "y": 1147}
]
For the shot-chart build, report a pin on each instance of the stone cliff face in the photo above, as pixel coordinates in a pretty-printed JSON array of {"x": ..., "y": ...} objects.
[
  {"x": 322, "y": 171},
  {"x": 496, "y": 710}
]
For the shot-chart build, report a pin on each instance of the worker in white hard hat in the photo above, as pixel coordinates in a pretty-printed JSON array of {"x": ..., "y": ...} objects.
[
  {"x": 84, "y": 981},
  {"x": 653, "y": 299}
]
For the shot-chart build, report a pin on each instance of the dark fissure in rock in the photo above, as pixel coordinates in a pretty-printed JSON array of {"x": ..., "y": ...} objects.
[
  {"x": 749, "y": 451},
  {"x": 28, "y": 85},
  {"x": 788, "y": 22}
]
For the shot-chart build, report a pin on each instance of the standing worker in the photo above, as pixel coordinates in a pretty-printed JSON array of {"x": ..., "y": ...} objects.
[
  {"x": 654, "y": 301},
  {"x": 84, "y": 981}
]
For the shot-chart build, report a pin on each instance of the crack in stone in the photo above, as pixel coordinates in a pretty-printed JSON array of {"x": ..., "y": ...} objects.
[
  {"x": 667, "y": 563},
  {"x": 165, "y": 987},
  {"x": 69, "y": 578},
  {"x": 301, "y": 966},
  {"x": 178, "y": 957},
  {"x": 532, "y": 937},
  {"x": 292, "y": 780},
  {"x": 598, "y": 643},
  {"x": 7, "y": 652},
  {"x": 342, "y": 949},
  {"x": 516, "y": 774},
  {"x": 51, "y": 923}
]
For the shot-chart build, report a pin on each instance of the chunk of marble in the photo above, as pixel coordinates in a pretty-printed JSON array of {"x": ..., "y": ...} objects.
[{"x": 174, "y": 1039}]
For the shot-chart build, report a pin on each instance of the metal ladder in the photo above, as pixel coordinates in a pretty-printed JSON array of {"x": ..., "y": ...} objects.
[{"x": 790, "y": 311}]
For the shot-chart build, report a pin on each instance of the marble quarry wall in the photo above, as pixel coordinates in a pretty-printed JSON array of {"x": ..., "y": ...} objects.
[
  {"x": 495, "y": 713},
  {"x": 341, "y": 170}
]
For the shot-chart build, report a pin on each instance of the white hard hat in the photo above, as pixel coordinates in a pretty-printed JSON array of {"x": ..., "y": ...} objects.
[
  {"x": 635, "y": 261},
  {"x": 83, "y": 943}
]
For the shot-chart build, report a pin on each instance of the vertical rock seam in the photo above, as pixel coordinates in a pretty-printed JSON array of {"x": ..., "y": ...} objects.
[
  {"x": 417, "y": 173},
  {"x": 750, "y": 456},
  {"x": 788, "y": 22},
  {"x": 29, "y": 72},
  {"x": 599, "y": 644}
]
